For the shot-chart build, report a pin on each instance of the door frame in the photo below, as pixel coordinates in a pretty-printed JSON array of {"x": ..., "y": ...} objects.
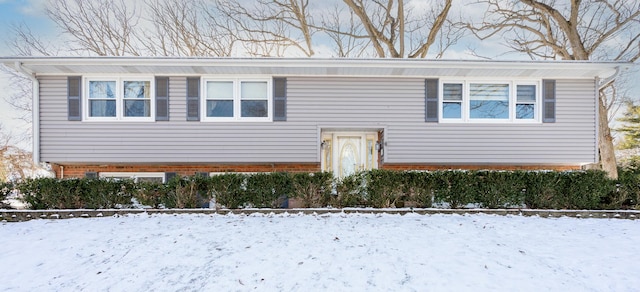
[{"x": 329, "y": 152}]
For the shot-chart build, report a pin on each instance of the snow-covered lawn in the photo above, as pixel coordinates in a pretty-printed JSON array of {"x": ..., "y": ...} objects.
[{"x": 333, "y": 252}]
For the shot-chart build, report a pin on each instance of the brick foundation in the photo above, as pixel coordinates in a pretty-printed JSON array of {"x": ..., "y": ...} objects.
[{"x": 79, "y": 170}]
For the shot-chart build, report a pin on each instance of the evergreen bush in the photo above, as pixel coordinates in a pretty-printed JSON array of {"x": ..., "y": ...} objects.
[
  {"x": 51, "y": 193},
  {"x": 456, "y": 188},
  {"x": 268, "y": 190},
  {"x": 499, "y": 189},
  {"x": 228, "y": 189},
  {"x": 314, "y": 189},
  {"x": 375, "y": 188},
  {"x": 418, "y": 188},
  {"x": 384, "y": 188},
  {"x": 350, "y": 191}
]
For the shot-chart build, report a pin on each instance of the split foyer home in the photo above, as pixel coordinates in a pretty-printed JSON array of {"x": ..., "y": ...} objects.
[{"x": 151, "y": 118}]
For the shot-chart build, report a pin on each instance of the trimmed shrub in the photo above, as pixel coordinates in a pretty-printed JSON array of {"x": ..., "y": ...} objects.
[
  {"x": 152, "y": 194},
  {"x": 542, "y": 190},
  {"x": 228, "y": 189},
  {"x": 350, "y": 191},
  {"x": 314, "y": 189},
  {"x": 418, "y": 189},
  {"x": 384, "y": 188},
  {"x": 499, "y": 189},
  {"x": 106, "y": 193},
  {"x": 587, "y": 190},
  {"x": 187, "y": 192},
  {"x": 456, "y": 188},
  {"x": 375, "y": 188},
  {"x": 268, "y": 190},
  {"x": 567, "y": 190},
  {"x": 5, "y": 189},
  {"x": 51, "y": 193},
  {"x": 627, "y": 191}
]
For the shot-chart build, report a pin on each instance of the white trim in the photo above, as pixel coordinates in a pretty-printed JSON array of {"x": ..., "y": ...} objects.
[
  {"x": 237, "y": 101},
  {"x": 237, "y": 172},
  {"x": 596, "y": 90},
  {"x": 35, "y": 110},
  {"x": 225, "y": 66},
  {"x": 119, "y": 80},
  {"x": 133, "y": 175},
  {"x": 466, "y": 100}
]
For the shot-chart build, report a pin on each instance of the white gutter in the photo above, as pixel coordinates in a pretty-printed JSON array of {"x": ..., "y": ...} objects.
[
  {"x": 35, "y": 110},
  {"x": 305, "y": 62},
  {"x": 608, "y": 80}
]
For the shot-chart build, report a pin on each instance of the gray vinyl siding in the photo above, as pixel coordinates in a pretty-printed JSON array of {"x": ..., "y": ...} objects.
[{"x": 395, "y": 104}]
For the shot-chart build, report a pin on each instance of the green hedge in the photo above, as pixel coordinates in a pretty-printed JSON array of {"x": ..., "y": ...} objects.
[
  {"x": 51, "y": 193},
  {"x": 375, "y": 188},
  {"x": 5, "y": 189}
]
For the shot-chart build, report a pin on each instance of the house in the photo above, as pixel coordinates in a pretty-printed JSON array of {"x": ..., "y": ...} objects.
[{"x": 151, "y": 118}]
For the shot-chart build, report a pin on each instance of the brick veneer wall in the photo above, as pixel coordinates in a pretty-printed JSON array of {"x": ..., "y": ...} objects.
[
  {"x": 77, "y": 170},
  {"x": 479, "y": 167}
]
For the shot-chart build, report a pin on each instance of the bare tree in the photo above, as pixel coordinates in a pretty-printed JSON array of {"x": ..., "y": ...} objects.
[
  {"x": 284, "y": 23},
  {"x": 346, "y": 32},
  {"x": 101, "y": 27},
  {"x": 186, "y": 28},
  {"x": 24, "y": 43},
  {"x": 389, "y": 25},
  {"x": 570, "y": 30}
]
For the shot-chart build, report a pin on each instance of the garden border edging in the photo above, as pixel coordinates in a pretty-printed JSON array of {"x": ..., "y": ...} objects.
[{"x": 26, "y": 215}]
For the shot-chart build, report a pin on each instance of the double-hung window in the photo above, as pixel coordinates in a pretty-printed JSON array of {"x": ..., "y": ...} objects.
[
  {"x": 119, "y": 99},
  {"x": 473, "y": 101},
  {"x": 237, "y": 100},
  {"x": 452, "y": 101},
  {"x": 526, "y": 96}
]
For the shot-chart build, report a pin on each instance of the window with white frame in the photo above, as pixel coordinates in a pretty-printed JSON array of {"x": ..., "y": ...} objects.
[
  {"x": 135, "y": 176},
  {"x": 237, "y": 99},
  {"x": 119, "y": 99},
  {"x": 472, "y": 101},
  {"x": 452, "y": 101}
]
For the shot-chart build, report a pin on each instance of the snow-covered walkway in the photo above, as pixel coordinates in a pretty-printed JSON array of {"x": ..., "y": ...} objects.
[{"x": 332, "y": 252}]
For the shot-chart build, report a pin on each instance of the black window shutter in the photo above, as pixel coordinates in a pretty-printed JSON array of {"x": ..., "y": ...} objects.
[
  {"x": 549, "y": 101},
  {"x": 279, "y": 99},
  {"x": 162, "y": 98},
  {"x": 193, "y": 98},
  {"x": 431, "y": 100},
  {"x": 168, "y": 176},
  {"x": 74, "y": 98},
  {"x": 91, "y": 174}
]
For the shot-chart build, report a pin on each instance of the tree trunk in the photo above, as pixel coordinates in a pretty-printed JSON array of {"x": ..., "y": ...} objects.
[{"x": 605, "y": 145}]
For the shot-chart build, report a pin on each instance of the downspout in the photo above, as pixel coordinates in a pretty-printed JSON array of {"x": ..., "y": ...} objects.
[
  {"x": 35, "y": 111},
  {"x": 597, "y": 100}
]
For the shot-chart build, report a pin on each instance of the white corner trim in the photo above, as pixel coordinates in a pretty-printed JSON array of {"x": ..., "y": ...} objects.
[{"x": 35, "y": 109}]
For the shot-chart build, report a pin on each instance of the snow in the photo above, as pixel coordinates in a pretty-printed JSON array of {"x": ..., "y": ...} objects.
[{"x": 330, "y": 252}]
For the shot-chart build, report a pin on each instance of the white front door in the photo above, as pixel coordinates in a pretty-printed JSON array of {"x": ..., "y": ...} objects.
[{"x": 346, "y": 153}]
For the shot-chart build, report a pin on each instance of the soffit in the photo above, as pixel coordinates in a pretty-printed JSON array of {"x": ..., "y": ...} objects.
[{"x": 314, "y": 67}]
